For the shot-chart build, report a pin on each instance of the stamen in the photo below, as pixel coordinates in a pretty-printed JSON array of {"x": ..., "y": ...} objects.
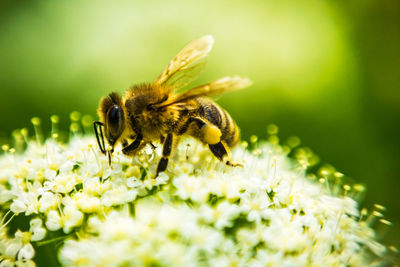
[
  {"x": 244, "y": 145},
  {"x": 273, "y": 139},
  {"x": 7, "y": 222},
  {"x": 337, "y": 182},
  {"x": 373, "y": 217},
  {"x": 60, "y": 238},
  {"x": 274, "y": 159},
  {"x": 359, "y": 190},
  {"x": 25, "y": 135},
  {"x": 394, "y": 249},
  {"x": 75, "y": 116},
  {"x": 253, "y": 141},
  {"x": 363, "y": 213},
  {"x": 272, "y": 129},
  {"x": 325, "y": 174},
  {"x": 38, "y": 129},
  {"x": 293, "y": 142},
  {"x": 5, "y": 148},
  {"x": 346, "y": 189},
  {"x": 54, "y": 126},
  {"x": 74, "y": 128},
  {"x": 18, "y": 141},
  {"x": 87, "y": 122},
  {"x": 4, "y": 217}
]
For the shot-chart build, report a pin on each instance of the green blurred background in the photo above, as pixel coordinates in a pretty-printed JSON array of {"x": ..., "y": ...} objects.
[{"x": 325, "y": 71}]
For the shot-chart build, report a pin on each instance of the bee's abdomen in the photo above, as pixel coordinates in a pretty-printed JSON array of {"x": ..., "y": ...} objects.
[{"x": 219, "y": 117}]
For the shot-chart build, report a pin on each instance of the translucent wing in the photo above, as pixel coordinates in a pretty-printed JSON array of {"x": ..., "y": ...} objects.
[
  {"x": 210, "y": 89},
  {"x": 187, "y": 64}
]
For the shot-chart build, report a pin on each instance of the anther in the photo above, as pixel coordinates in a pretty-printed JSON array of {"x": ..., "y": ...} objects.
[
  {"x": 272, "y": 129},
  {"x": 380, "y": 207},
  {"x": 359, "y": 187},
  {"x": 338, "y": 174},
  {"x": 293, "y": 141},
  {"x": 273, "y": 139},
  {"x": 5, "y": 148},
  {"x": 346, "y": 187},
  {"x": 253, "y": 139},
  {"x": 386, "y": 222},
  {"x": 393, "y": 249},
  {"x": 75, "y": 116}
]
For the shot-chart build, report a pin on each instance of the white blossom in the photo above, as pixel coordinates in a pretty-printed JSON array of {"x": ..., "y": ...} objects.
[{"x": 199, "y": 212}]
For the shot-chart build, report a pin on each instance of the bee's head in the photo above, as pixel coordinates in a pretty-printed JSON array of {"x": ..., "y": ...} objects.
[{"x": 112, "y": 118}]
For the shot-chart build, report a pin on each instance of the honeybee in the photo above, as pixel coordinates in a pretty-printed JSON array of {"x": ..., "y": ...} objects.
[{"x": 153, "y": 111}]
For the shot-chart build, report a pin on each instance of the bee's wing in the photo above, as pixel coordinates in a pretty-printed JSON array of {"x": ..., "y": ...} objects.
[
  {"x": 187, "y": 64},
  {"x": 210, "y": 89}
]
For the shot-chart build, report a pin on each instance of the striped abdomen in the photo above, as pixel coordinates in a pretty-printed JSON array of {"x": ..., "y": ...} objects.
[{"x": 220, "y": 118}]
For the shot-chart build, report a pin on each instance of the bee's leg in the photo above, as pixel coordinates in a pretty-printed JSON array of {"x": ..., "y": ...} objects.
[
  {"x": 152, "y": 146},
  {"x": 124, "y": 143},
  {"x": 129, "y": 149},
  {"x": 220, "y": 150},
  {"x": 167, "y": 148}
]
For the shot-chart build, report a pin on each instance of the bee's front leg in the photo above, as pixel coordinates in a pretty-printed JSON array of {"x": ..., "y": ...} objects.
[
  {"x": 130, "y": 149},
  {"x": 167, "y": 148}
]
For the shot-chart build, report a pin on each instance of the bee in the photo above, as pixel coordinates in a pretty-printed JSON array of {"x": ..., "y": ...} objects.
[{"x": 155, "y": 112}]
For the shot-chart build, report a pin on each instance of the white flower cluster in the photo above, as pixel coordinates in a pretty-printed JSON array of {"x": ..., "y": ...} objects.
[{"x": 198, "y": 213}]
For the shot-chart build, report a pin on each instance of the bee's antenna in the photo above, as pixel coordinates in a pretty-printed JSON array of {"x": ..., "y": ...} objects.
[{"x": 99, "y": 136}]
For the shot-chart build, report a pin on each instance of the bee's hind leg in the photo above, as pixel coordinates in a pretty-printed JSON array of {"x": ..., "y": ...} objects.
[
  {"x": 220, "y": 150},
  {"x": 167, "y": 148}
]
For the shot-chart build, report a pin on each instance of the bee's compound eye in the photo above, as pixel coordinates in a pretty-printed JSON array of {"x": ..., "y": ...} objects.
[
  {"x": 115, "y": 119},
  {"x": 114, "y": 113}
]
